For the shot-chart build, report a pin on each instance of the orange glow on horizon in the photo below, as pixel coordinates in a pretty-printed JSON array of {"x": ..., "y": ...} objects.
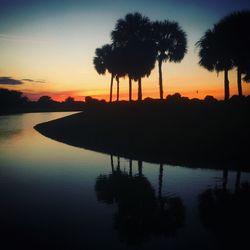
[
  {"x": 197, "y": 83},
  {"x": 103, "y": 94}
]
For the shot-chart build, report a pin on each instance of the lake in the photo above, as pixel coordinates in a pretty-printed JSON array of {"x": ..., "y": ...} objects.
[{"x": 61, "y": 197}]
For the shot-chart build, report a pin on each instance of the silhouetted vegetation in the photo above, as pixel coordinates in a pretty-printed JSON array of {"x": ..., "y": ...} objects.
[
  {"x": 12, "y": 102},
  {"x": 221, "y": 49},
  {"x": 134, "y": 35},
  {"x": 12, "y": 98},
  {"x": 171, "y": 45},
  {"x": 226, "y": 214},
  {"x": 238, "y": 44},
  {"x": 140, "y": 214},
  {"x": 177, "y": 130},
  {"x": 214, "y": 55},
  {"x": 139, "y": 43},
  {"x": 107, "y": 58}
]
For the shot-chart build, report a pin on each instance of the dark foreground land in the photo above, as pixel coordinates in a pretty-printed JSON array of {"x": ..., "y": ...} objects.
[
  {"x": 34, "y": 107},
  {"x": 192, "y": 133}
]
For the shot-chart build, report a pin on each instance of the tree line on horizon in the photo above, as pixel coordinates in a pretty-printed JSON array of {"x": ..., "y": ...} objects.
[
  {"x": 13, "y": 101},
  {"x": 138, "y": 43}
]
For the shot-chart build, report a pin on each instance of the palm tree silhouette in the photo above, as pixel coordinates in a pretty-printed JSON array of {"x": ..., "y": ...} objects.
[
  {"x": 171, "y": 43},
  {"x": 109, "y": 58},
  {"x": 118, "y": 66},
  {"x": 214, "y": 54},
  {"x": 102, "y": 62},
  {"x": 238, "y": 43},
  {"x": 133, "y": 34}
]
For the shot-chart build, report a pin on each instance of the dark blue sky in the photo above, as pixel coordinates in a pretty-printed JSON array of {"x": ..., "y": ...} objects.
[{"x": 18, "y": 12}]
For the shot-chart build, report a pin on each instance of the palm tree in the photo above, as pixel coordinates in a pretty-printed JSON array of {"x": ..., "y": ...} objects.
[
  {"x": 144, "y": 56},
  {"x": 108, "y": 58},
  {"x": 118, "y": 66},
  {"x": 246, "y": 78},
  {"x": 134, "y": 27},
  {"x": 133, "y": 34},
  {"x": 214, "y": 55},
  {"x": 238, "y": 43},
  {"x": 171, "y": 43},
  {"x": 102, "y": 63}
]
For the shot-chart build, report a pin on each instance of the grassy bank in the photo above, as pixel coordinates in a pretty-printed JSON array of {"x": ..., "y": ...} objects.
[{"x": 192, "y": 133}]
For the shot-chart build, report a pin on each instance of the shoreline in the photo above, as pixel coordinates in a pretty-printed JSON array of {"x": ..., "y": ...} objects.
[
  {"x": 38, "y": 111},
  {"x": 195, "y": 135}
]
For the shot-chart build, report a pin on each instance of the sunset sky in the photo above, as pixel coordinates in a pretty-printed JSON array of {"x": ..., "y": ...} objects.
[{"x": 48, "y": 46}]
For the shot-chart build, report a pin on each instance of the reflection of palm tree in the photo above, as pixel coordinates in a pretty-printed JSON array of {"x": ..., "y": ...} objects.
[
  {"x": 237, "y": 182},
  {"x": 130, "y": 168},
  {"x": 139, "y": 214},
  {"x": 112, "y": 163},
  {"x": 107, "y": 186},
  {"x": 160, "y": 181},
  {"x": 214, "y": 54},
  {"x": 225, "y": 178},
  {"x": 226, "y": 214},
  {"x": 171, "y": 45},
  {"x": 140, "y": 167},
  {"x": 171, "y": 212}
]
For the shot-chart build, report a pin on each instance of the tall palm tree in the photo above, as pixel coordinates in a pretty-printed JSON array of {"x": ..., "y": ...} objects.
[
  {"x": 102, "y": 62},
  {"x": 238, "y": 42},
  {"x": 144, "y": 55},
  {"x": 109, "y": 58},
  {"x": 133, "y": 33},
  {"x": 118, "y": 66},
  {"x": 214, "y": 55},
  {"x": 134, "y": 27},
  {"x": 246, "y": 78},
  {"x": 171, "y": 43}
]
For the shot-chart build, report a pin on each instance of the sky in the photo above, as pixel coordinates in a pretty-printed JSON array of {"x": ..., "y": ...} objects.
[{"x": 47, "y": 46}]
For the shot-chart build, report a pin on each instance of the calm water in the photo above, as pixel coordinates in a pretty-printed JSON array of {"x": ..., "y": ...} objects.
[{"x": 61, "y": 197}]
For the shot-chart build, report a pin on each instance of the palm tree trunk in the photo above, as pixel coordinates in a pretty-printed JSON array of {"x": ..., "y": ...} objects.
[
  {"x": 160, "y": 181},
  {"x": 237, "y": 183},
  {"x": 112, "y": 163},
  {"x": 118, "y": 88},
  {"x": 130, "y": 89},
  {"x": 226, "y": 85},
  {"x": 118, "y": 163},
  {"x": 139, "y": 90},
  {"x": 225, "y": 179},
  {"x": 140, "y": 167},
  {"x": 239, "y": 81},
  {"x": 111, "y": 88},
  {"x": 160, "y": 78},
  {"x": 130, "y": 168}
]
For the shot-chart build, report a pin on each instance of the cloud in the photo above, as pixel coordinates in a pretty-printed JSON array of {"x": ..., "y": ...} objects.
[
  {"x": 31, "y": 80},
  {"x": 6, "y": 80}
]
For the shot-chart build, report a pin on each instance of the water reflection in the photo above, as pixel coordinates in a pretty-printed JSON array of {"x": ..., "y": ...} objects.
[
  {"x": 48, "y": 199},
  {"x": 10, "y": 126},
  {"x": 225, "y": 212},
  {"x": 141, "y": 214}
]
